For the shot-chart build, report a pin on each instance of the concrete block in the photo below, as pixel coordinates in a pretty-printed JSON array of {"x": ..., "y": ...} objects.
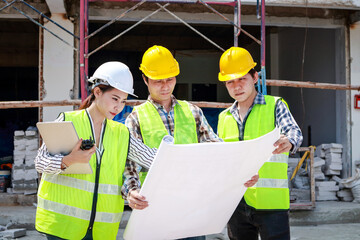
[
  {"x": 327, "y": 189},
  {"x": 30, "y": 192},
  {"x": 325, "y": 184},
  {"x": 19, "y": 152},
  {"x": 13, "y": 233},
  {"x": 33, "y": 141},
  {"x": 333, "y": 155},
  {"x": 19, "y": 133},
  {"x": 20, "y": 147},
  {"x": 335, "y": 166},
  {"x": 332, "y": 172},
  {"x": 30, "y": 158},
  {"x": 30, "y": 133},
  {"x": 333, "y": 150},
  {"x": 318, "y": 162},
  {"x": 319, "y": 176},
  {"x": 18, "y": 174},
  {"x": 19, "y": 142},
  {"x": 30, "y": 174},
  {"x": 319, "y": 152},
  {"x": 31, "y": 148},
  {"x": 332, "y": 145}
]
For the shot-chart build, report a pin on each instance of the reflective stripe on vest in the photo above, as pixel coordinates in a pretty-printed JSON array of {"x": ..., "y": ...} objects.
[
  {"x": 271, "y": 191},
  {"x": 272, "y": 183},
  {"x": 66, "y": 200},
  {"x": 82, "y": 184},
  {"x": 78, "y": 212}
]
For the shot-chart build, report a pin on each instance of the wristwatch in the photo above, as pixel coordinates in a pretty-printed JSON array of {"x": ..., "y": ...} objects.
[{"x": 63, "y": 166}]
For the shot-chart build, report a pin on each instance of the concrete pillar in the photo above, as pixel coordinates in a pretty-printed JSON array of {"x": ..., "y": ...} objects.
[
  {"x": 58, "y": 66},
  {"x": 355, "y": 80}
]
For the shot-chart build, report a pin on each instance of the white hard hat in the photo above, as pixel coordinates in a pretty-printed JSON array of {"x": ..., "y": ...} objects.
[{"x": 115, "y": 74}]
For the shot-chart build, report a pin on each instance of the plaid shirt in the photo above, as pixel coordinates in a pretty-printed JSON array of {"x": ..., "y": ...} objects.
[
  {"x": 283, "y": 119},
  {"x": 204, "y": 132}
]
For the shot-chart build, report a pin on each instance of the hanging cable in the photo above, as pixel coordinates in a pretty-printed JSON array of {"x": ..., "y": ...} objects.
[{"x": 302, "y": 65}]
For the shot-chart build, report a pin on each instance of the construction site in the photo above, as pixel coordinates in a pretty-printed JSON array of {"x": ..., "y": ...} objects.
[{"x": 307, "y": 52}]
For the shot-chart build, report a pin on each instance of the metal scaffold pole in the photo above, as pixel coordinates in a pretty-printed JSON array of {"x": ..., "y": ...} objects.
[{"x": 82, "y": 50}]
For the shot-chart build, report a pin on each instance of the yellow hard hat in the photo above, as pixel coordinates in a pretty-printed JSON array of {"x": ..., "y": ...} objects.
[
  {"x": 158, "y": 63},
  {"x": 235, "y": 63}
]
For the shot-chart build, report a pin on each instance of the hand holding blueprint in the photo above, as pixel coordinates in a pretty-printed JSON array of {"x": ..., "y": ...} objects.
[{"x": 193, "y": 189}]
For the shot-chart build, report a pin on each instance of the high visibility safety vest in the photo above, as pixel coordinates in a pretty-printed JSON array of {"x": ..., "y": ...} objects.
[
  {"x": 271, "y": 191},
  {"x": 70, "y": 204},
  {"x": 153, "y": 129}
]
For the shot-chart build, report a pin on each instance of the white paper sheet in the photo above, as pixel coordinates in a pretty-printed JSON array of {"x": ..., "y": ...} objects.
[{"x": 193, "y": 189}]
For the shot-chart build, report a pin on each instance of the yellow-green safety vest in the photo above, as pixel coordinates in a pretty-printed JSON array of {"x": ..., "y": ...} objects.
[
  {"x": 271, "y": 191},
  {"x": 65, "y": 201},
  {"x": 153, "y": 129}
]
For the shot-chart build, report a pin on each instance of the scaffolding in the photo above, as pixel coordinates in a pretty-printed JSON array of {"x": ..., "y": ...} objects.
[{"x": 84, "y": 55}]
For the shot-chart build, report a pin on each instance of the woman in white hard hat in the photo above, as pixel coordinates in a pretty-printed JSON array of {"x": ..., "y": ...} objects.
[{"x": 89, "y": 206}]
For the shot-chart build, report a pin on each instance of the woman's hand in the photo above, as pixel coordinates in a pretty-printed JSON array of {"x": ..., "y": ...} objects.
[
  {"x": 252, "y": 181},
  {"x": 78, "y": 155},
  {"x": 136, "y": 201}
]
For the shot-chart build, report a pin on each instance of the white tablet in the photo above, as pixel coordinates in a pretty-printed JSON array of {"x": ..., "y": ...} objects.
[{"x": 60, "y": 138}]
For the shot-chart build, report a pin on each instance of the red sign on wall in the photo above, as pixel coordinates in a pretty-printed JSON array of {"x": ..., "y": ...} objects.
[{"x": 357, "y": 102}]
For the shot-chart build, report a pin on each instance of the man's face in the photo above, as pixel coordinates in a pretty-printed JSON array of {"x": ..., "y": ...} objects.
[
  {"x": 161, "y": 90},
  {"x": 241, "y": 89}
]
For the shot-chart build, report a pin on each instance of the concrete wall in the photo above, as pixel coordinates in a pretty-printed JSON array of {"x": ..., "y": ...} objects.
[
  {"x": 201, "y": 68},
  {"x": 317, "y": 109},
  {"x": 58, "y": 66},
  {"x": 355, "y": 80}
]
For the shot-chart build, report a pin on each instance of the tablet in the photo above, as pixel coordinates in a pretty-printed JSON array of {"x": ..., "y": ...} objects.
[{"x": 60, "y": 138}]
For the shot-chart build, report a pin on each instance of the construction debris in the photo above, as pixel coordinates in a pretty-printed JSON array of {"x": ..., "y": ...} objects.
[
  {"x": 13, "y": 233},
  {"x": 353, "y": 183}
]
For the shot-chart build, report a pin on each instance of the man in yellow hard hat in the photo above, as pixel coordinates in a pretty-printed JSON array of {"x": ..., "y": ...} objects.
[
  {"x": 264, "y": 207},
  {"x": 162, "y": 114}
]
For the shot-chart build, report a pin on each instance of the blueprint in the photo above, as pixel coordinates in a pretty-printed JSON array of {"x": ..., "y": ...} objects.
[{"x": 193, "y": 189}]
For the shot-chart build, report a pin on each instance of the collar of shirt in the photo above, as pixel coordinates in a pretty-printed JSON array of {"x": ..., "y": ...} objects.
[
  {"x": 159, "y": 106},
  {"x": 259, "y": 99}
]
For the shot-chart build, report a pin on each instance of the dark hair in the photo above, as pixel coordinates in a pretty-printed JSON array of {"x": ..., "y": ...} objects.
[
  {"x": 89, "y": 100},
  {"x": 252, "y": 72}
]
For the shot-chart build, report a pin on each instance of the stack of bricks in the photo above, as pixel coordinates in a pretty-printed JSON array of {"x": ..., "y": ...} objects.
[
  {"x": 32, "y": 145},
  {"x": 24, "y": 175},
  {"x": 318, "y": 165},
  {"x": 18, "y": 170},
  {"x": 332, "y": 155},
  {"x": 326, "y": 191}
]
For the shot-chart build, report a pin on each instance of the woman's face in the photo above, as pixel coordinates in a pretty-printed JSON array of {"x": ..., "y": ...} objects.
[{"x": 111, "y": 102}]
